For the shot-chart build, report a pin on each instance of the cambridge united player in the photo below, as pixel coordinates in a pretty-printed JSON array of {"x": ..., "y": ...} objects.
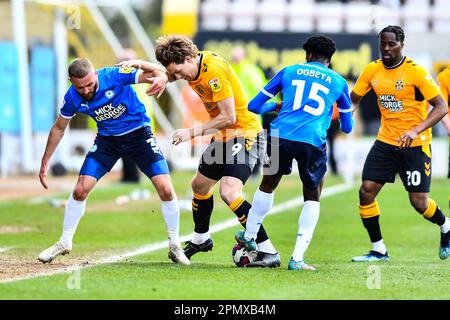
[
  {"x": 309, "y": 91},
  {"x": 236, "y": 145},
  {"x": 444, "y": 85},
  {"x": 403, "y": 89},
  {"x": 123, "y": 129}
]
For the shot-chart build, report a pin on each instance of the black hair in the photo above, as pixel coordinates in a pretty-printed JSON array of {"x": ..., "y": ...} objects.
[
  {"x": 320, "y": 46},
  {"x": 398, "y": 31}
]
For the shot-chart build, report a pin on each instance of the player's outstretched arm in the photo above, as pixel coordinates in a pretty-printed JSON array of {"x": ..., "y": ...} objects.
[
  {"x": 259, "y": 104},
  {"x": 158, "y": 81},
  {"x": 145, "y": 66},
  {"x": 54, "y": 137},
  {"x": 346, "y": 120},
  {"x": 152, "y": 73},
  {"x": 437, "y": 113},
  {"x": 344, "y": 105}
]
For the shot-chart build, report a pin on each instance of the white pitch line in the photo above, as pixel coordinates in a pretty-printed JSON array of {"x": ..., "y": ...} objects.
[
  {"x": 327, "y": 192},
  {"x": 4, "y": 249}
]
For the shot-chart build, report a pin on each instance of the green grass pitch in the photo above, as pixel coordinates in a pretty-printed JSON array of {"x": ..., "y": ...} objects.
[{"x": 414, "y": 272}]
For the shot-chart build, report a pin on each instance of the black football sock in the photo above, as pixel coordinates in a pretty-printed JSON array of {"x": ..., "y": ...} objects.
[
  {"x": 241, "y": 207},
  {"x": 202, "y": 207}
]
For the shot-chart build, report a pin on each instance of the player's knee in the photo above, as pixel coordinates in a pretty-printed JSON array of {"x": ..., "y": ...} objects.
[
  {"x": 311, "y": 194},
  {"x": 197, "y": 187},
  {"x": 228, "y": 195},
  {"x": 166, "y": 193},
  {"x": 420, "y": 203},
  {"x": 267, "y": 186},
  {"x": 366, "y": 195},
  {"x": 80, "y": 193}
]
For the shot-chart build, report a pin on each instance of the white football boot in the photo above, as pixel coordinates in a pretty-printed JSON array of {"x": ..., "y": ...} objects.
[
  {"x": 51, "y": 253},
  {"x": 176, "y": 254}
]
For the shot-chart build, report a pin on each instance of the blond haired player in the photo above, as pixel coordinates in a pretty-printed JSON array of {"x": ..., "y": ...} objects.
[{"x": 237, "y": 143}]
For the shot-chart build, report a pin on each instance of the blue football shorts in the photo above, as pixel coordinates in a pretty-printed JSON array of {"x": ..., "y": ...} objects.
[
  {"x": 311, "y": 160},
  {"x": 139, "y": 145}
]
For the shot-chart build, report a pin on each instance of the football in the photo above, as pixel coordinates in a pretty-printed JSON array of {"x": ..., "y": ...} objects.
[{"x": 242, "y": 257}]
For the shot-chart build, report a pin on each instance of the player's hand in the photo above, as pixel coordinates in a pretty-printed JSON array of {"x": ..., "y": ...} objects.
[
  {"x": 181, "y": 135},
  {"x": 279, "y": 105},
  {"x": 43, "y": 173},
  {"x": 158, "y": 85},
  {"x": 134, "y": 63},
  {"x": 406, "y": 140}
]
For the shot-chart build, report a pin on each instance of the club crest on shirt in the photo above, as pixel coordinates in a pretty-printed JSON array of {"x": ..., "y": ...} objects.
[
  {"x": 109, "y": 94},
  {"x": 215, "y": 84},
  {"x": 399, "y": 85},
  {"x": 93, "y": 148}
]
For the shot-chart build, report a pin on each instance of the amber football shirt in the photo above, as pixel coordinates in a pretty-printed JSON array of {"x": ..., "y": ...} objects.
[
  {"x": 402, "y": 94},
  {"x": 217, "y": 81},
  {"x": 444, "y": 85}
]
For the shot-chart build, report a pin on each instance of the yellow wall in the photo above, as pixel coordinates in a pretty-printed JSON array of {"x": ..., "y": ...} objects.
[{"x": 180, "y": 17}]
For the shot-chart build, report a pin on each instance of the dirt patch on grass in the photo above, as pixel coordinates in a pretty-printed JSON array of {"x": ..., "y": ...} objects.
[
  {"x": 15, "y": 229},
  {"x": 19, "y": 266},
  {"x": 16, "y": 265},
  {"x": 12, "y": 267}
]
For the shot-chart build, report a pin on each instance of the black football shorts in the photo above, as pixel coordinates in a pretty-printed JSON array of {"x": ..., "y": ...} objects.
[
  {"x": 234, "y": 158},
  {"x": 413, "y": 165}
]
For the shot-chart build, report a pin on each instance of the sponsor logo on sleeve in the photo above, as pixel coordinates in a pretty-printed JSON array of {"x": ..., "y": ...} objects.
[
  {"x": 126, "y": 70},
  {"x": 215, "y": 84}
]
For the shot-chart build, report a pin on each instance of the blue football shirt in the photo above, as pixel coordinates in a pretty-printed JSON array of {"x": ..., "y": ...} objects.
[
  {"x": 115, "y": 106},
  {"x": 309, "y": 92}
]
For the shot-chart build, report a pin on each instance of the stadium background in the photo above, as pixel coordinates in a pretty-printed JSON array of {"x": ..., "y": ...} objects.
[{"x": 38, "y": 38}]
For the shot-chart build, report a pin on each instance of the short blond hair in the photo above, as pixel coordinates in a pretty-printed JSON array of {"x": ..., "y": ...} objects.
[{"x": 174, "y": 49}]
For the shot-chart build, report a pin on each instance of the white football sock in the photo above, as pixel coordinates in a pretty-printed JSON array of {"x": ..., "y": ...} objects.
[
  {"x": 72, "y": 216},
  {"x": 446, "y": 226},
  {"x": 379, "y": 246},
  {"x": 199, "y": 238},
  {"x": 171, "y": 213},
  {"x": 267, "y": 246},
  {"x": 306, "y": 224},
  {"x": 261, "y": 205}
]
